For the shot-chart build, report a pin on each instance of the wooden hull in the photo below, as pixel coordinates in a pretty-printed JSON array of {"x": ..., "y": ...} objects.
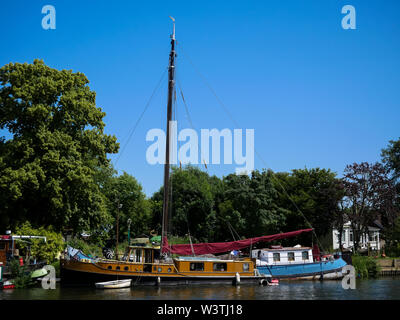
[{"x": 80, "y": 273}]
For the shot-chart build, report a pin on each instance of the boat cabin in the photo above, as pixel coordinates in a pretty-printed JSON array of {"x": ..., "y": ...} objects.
[
  {"x": 142, "y": 254},
  {"x": 281, "y": 255},
  {"x": 213, "y": 265},
  {"x": 7, "y": 248}
]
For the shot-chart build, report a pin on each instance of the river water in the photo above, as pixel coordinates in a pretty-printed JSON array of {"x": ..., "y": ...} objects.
[{"x": 377, "y": 289}]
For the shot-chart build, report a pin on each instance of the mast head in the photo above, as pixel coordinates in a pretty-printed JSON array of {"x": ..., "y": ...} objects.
[{"x": 173, "y": 32}]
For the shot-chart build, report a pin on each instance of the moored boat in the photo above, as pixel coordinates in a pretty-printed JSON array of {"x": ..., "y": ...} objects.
[
  {"x": 151, "y": 265},
  {"x": 298, "y": 262},
  {"x": 8, "y": 284},
  {"x": 117, "y": 284},
  {"x": 171, "y": 264},
  {"x": 143, "y": 266},
  {"x": 39, "y": 273}
]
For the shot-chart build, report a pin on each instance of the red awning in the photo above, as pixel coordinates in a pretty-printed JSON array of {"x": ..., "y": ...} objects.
[{"x": 219, "y": 247}]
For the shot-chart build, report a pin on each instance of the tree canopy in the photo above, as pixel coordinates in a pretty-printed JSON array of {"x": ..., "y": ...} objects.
[
  {"x": 55, "y": 141},
  {"x": 311, "y": 197}
]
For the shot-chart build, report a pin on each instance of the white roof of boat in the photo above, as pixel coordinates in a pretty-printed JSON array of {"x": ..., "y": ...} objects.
[{"x": 285, "y": 249}]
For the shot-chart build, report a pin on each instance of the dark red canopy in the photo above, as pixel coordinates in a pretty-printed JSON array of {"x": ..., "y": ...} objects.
[{"x": 219, "y": 247}]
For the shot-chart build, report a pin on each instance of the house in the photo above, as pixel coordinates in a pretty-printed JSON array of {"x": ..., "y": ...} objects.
[{"x": 371, "y": 239}]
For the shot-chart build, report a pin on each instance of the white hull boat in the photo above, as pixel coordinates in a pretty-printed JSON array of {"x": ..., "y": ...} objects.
[{"x": 117, "y": 284}]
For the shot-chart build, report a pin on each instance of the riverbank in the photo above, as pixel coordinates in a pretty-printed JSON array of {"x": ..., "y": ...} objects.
[
  {"x": 370, "y": 267},
  {"x": 389, "y": 266}
]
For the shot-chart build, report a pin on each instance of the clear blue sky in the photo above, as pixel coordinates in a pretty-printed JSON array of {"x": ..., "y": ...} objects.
[{"x": 315, "y": 94}]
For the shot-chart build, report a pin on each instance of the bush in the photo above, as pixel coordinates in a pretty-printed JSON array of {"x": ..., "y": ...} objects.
[
  {"x": 43, "y": 251},
  {"x": 366, "y": 267},
  {"x": 21, "y": 275},
  {"x": 393, "y": 251},
  {"x": 56, "y": 266}
]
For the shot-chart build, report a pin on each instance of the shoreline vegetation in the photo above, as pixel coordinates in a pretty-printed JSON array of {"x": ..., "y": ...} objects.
[{"x": 366, "y": 267}]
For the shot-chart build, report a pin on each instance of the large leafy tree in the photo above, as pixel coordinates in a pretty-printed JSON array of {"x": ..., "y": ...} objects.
[
  {"x": 126, "y": 200},
  {"x": 391, "y": 157},
  {"x": 247, "y": 207},
  {"x": 54, "y": 142},
  {"x": 369, "y": 196},
  {"x": 311, "y": 196},
  {"x": 192, "y": 204}
]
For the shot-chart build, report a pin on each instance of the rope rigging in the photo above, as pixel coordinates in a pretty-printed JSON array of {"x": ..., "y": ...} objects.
[
  {"x": 222, "y": 105},
  {"x": 141, "y": 116}
]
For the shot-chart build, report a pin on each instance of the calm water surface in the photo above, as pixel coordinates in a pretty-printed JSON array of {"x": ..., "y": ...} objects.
[{"x": 378, "y": 289}]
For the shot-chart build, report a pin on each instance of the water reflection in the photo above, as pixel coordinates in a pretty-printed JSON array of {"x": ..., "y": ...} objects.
[{"x": 384, "y": 288}]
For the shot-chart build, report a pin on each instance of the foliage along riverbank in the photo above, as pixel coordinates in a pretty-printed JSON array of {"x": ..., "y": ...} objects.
[{"x": 366, "y": 267}]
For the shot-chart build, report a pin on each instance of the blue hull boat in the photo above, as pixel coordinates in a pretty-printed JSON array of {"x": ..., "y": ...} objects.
[
  {"x": 298, "y": 263},
  {"x": 307, "y": 271}
]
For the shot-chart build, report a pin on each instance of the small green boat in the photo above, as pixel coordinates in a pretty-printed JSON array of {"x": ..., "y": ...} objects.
[{"x": 39, "y": 273}]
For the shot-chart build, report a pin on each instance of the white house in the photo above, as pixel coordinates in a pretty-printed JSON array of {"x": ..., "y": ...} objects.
[{"x": 372, "y": 238}]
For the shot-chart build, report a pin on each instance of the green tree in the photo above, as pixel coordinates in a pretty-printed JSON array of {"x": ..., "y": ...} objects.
[
  {"x": 126, "y": 199},
  {"x": 309, "y": 195},
  {"x": 192, "y": 203},
  {"x": 369, "y": 196},
  {"x": 54, "y": 144},
  {"x": 391, "y": 157},
  {"x": 248, "y": 207}
]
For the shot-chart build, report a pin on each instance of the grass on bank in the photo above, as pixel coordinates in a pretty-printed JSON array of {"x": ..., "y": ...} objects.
[{"x": 366, "y": 267}]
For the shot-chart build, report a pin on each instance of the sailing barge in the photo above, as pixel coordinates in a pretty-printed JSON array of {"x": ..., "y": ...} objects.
[
  {"x": 142, "y": 267},
  {"x": 150, "y": 265},
  {"x": 155, "y": 266}
]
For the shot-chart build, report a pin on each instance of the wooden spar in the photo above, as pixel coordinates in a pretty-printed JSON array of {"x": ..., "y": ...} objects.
[{"x": 171, "y": 85}]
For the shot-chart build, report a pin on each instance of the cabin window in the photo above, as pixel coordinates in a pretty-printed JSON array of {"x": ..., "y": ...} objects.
[
  {"x": 118, "y": 268},
  {"x": 305, "y": 255},
  {"x": 277, "y": 257},
  {"x": 109, "y": 267},
  {"x": 219, "y": 267},
  {"x": 138, "y": 255},
  {"x": 246, "y": 267},
  {"x": 169, "y": 270},
  {"x": 351, "y": 236},
  {"x": 147, "y": 256},
  {"x": 195, "y": 266},
  {"x": 290, "y": 256},
  {"x": 159, "y": 269},
  {"x": 155, "y": 268},
  {"x": 126, "y": 268}
]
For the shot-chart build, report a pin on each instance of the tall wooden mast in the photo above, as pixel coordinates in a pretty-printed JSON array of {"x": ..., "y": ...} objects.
[{"x": 171, "y": 85}]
